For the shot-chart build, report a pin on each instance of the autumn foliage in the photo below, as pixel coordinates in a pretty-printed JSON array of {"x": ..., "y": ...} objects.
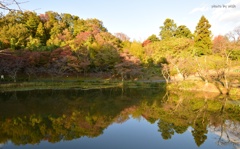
[{"x": 56, "y": 45}]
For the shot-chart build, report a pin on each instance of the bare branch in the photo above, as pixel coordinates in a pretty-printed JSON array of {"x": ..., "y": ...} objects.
[
  {"x": 5, "y": 5},
  {"x": 17, "y": 3}
]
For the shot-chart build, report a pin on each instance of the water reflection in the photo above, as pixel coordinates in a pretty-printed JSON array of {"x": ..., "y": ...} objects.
[{"x": 30, "y": 117}]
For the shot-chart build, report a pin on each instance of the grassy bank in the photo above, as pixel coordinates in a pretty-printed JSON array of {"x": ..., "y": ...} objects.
[
  {"x": 76, "y": 84},
  {"x": 200, "y": 86}
]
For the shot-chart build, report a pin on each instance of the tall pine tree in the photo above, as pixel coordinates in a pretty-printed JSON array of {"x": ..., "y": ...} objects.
[
  {"x": 40, "y": 33},
  {"x": 168, "y": 29},
  {"x": 203, "y": 43}
]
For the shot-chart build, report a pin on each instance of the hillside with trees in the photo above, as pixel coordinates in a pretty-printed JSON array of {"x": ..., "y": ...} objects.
[{"x": 53, "y": 45}]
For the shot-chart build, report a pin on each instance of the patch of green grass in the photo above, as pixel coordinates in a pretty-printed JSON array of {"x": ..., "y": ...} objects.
[
  {"x": 187, "y": 84},
  {"x": 235, "y": 91}
]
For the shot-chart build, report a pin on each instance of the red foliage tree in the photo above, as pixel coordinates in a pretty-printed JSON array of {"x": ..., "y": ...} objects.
[
  {"x": 219, "y": 44},
  {"x": 81, "y": 39},
  {"x": 129, "y": 67},
  {"x": 44, "y": 17},
  {"x": 146, "y": 42}
]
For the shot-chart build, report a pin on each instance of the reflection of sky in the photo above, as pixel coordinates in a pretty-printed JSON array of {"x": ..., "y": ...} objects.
[
  {"x": 1, "y": 145},
  {"x": 230, "y": 134},
  {"x": 138, "y": 134}
]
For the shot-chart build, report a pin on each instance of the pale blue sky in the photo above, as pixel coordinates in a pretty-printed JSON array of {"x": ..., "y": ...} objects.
[{"x": 141, "y": 18}]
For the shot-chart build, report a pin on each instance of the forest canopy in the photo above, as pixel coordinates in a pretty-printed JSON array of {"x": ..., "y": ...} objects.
[{"x": 53, "y": 44}]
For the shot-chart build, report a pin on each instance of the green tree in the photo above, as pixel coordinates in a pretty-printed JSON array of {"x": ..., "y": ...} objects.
[
  {"x": 136, "y": 49},
  {"x": 153, "y": 38},
  {"x": 95, "y": 24},
  {"x": 40, "y": 33},
  {"x": 79, "y": 26},
  {"x": 14, "y": 35},
  {"x": 32, "y": 21},
  {"x": 107, "y": 38},
  {"x": 203, "y": 43},
  {"x": 183, "y": 31},
  {"x": 13, "y": 17},
  {"x": 55, "y": 30},
  {"x": 103, "y": 57},
  {"x": 67, "y": 20},
  {"x": 150, "y": 39},
  {"x": 33, "y": 43},
  {"x": 49, "y": 19},
  {"x": 168, "y": 29}
]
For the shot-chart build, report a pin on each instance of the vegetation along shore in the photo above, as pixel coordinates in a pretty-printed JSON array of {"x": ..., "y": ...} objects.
[{"x": 63, "y": 51}]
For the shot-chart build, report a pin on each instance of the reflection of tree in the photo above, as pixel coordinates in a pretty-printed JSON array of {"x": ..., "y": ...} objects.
[
  {"x": 75, "y": 114},
  {"x": 32, "y": 117},
  {"x": 228, "y": 131},
  {"x": 183, "y": 110},
  {"x": 199, "y": 132},
  {"x": 179, "y": 111},
  {"x": 200, "y": 124},
  {"x": 166, "y": 129},
  {"x": 180, "y": 129}
]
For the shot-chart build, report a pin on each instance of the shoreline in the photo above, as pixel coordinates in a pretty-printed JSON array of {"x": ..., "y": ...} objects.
[
  {"x": 78, "y": 84},
  {"x": 186, "y": 85},
  {"x": 200, "y": 86}
]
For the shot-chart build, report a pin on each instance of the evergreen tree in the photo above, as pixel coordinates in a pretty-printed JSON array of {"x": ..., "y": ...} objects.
[
  {"x": 203, "y": 43},
  {"x": 168, "y": 29},
  {"x": 55, "y": 30},
  {"x": 40, "y": 33},
  {"x": 50, "y": 20},
  {"x": 32, "y": 21},
  {"x": 183, "y": 31}
]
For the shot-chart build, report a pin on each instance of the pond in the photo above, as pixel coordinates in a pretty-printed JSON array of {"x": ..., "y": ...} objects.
[{"x": 118, "y": 118}]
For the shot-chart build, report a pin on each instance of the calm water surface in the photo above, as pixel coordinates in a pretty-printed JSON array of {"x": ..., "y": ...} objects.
[{"x": 119, "y": 119}]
